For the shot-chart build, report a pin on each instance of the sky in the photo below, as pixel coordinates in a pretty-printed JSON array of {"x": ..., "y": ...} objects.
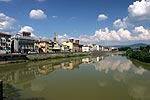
[{"x": 104, "y": 22}]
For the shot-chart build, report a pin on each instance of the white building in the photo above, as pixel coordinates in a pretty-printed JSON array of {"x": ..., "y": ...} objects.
[
  {"x": 64, "y": 48},
  {"x": 5, "y": 43},
  {"x": 23, "y": 43},
  {"x": 85, "y": 48}
]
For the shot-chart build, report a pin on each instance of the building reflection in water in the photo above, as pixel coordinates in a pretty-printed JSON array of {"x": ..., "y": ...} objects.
[
  {"x": 120, "y": 69},
  {"x": 24, "y": 76},
  {"x": 45, "y": 69},
  {"x": 71, "y": 64},
  {"x": 91, "y": 60}
]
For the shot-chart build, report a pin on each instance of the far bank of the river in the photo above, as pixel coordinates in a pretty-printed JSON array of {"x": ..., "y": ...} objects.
[
  {"x": 38, "y": 57},
  {"x": 48, "y": 56}
]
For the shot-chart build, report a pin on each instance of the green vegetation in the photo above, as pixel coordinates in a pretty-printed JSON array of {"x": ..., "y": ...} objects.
[
  {"x": 124, "y": 48},
  {"x": 58, "y": 57},
  {"x": 141, "y": 54}
]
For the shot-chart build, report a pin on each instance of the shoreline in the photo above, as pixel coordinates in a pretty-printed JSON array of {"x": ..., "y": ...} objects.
[
  {"x": 41, "y": 57},
  {"x": 55, "y": 56},
  {"x": 51, "y": 56}
]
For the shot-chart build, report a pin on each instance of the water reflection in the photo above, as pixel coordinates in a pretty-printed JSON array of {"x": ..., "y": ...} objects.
[
  {"x": 138, "y": 92},
  {"x": 124, "y": 71},
  {"x": 27, "y": 74},
  {"x": 101, "y": 73},
  {"x": 118, "y": 63}
]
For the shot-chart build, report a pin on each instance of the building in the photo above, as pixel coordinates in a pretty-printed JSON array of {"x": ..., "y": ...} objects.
[
  {"x": 23, "y": 43},
  {"x": 85, "y": 48},
  {"x": 43, "y": 46},
  {"x": 5, "y": 43},
  {"x": 64, "y": 48},
  {"x": 74, "y": 45},
  {"x": 56, "y": 47}
]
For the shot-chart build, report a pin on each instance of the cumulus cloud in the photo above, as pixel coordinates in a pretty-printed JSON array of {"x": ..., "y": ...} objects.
[
  {"x": 107, "y": 35},
  {"x": 6, "y": 23},
  {"x": 62, "y": 38},
  {"x": 119, "y": 23},
  {"x": 40, "y": 0},
  {"x": 37, "y": 14},
  {"x": 102, "y": 17},
  {"x": 138, "y": 12},
  {"x": 28, "y": 29},
  {"x": 5, "y": 0},
  {"x": 54, "y": 17},
  {"x": 113, "y": 36}
]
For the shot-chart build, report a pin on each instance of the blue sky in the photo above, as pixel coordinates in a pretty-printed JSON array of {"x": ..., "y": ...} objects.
[{"x": 105, "y": 22}]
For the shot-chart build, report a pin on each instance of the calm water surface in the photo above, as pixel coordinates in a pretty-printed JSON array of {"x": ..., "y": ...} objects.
[{"x": 92, "y": 78}]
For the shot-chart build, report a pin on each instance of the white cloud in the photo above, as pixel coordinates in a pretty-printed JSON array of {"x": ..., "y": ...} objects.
[
  {"x": 6, "y": 23},
  {"x": 138, "y": 12},
  {"x": 54, "y": 17},
  {"x": 112, "y": 36},
  {"x": 140, "y": 9},
  {"x": 102, "y": 17},
  {"x": 37, "y": 14},
  {"x": 141, "y": 33},
  {"x": 28, "y": 29},
  {"x": 40, "y": 0},
  {"x": 62, "y": 38},
  {"x": 5, "y": 0},
  {"x": 119, "y": 24}
]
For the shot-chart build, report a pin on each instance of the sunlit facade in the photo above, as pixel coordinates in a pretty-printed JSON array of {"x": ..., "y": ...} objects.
[{"x": 5, "y": 43}]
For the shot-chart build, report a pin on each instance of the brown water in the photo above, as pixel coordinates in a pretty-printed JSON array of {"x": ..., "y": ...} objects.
[{"x": 92, "y": 78}]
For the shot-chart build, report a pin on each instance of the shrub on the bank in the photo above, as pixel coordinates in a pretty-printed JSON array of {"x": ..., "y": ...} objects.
[{"x": 142, "y": 54}]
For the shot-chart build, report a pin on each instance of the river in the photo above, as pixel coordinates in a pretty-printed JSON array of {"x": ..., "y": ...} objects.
[{"x": 113, "y": 77}]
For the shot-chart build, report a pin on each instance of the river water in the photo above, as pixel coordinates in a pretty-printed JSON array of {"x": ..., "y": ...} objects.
[{"x": 113, "y": 77}]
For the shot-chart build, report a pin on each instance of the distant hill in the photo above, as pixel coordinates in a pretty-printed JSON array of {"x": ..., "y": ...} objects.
[{"x": 137, "y": 45}]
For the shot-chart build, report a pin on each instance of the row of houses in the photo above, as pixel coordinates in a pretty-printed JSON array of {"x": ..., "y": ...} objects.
[{"x": 24, "y": 43}]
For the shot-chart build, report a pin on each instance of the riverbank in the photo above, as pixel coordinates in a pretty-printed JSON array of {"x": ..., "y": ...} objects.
[
  {"x": 38, "y": 57},
  {"x": 49, "y": 56},
  {"x": 143, "y": 56}
]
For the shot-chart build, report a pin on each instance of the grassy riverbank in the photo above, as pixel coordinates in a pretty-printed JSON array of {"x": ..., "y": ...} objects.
[
  {"x": 139, "y": 64},
  {"x": 56, "y": 56},
  {"x": 40, "y": 57}
]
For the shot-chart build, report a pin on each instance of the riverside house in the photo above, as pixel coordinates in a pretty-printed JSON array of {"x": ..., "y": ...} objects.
[
  {"x": 74, "y": 45},
  {"x": 44, "y": 46},
  {"x": 23, "y": 43},
  {"x": 5, "y": 43}
]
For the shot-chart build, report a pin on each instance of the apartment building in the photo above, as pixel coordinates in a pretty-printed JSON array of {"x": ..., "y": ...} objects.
[
  {"x": 44, "y": 46},
  {"x": 74, "y": 45},
  {"x": 5, "y": 43},
  {"x": 23, "y": 43}
]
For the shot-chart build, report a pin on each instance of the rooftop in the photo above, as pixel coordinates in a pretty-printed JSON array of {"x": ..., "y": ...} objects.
[{"x": 4, "y": 34}]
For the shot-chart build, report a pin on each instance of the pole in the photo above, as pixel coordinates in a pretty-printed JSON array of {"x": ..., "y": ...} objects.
[{"x": 1, "y": 90}]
